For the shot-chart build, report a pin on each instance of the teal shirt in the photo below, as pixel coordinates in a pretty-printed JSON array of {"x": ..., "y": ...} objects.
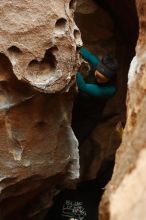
[
  {"x": 93, "y": 60},
  {"x": 94, "y": 89}
]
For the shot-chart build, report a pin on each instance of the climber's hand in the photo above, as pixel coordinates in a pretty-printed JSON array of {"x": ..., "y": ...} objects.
[{"x": 84, "y": 69}]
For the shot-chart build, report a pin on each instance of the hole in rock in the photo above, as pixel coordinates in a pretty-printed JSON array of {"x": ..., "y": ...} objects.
[
  {"x": 60, "y": 26},
  {"x": 41, "y": 124},
  {"x": 14, "y": 50},
  {"x": 43, "y": 68},
  {"x": 77, "y": 36},
  {"x": 72, "y": 4},
  {"x": 98, "y": 121}
]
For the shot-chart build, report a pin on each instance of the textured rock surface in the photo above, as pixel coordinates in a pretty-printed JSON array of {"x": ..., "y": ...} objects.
[
  {"x": 125, "y": 196},
  {"x": 131, "y": 193},
  {"x": 38, "y": 41}
]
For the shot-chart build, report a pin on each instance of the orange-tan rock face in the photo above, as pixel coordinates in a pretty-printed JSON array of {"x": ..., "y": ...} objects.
[
  {"x": 125, "y": 197},
  {"x": 38, "y": 41}
]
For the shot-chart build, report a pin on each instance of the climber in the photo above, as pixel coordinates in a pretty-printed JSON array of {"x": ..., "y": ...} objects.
[{"x": 94, "y": 91}]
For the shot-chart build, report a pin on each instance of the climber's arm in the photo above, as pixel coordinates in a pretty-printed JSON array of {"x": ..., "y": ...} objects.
[
  {"x": 94, "y": 89},
  {"x": 93, "y": 60}
]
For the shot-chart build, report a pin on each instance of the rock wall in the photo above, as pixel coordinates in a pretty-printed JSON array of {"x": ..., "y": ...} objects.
[
  {"x": 40, "y": 39},
  {"x": 38, "y": 61},
  {"x": 125, "y": 196}
]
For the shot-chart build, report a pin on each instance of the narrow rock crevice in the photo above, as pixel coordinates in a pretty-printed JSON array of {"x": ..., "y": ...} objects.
[{"x": 104, "y": 31}]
